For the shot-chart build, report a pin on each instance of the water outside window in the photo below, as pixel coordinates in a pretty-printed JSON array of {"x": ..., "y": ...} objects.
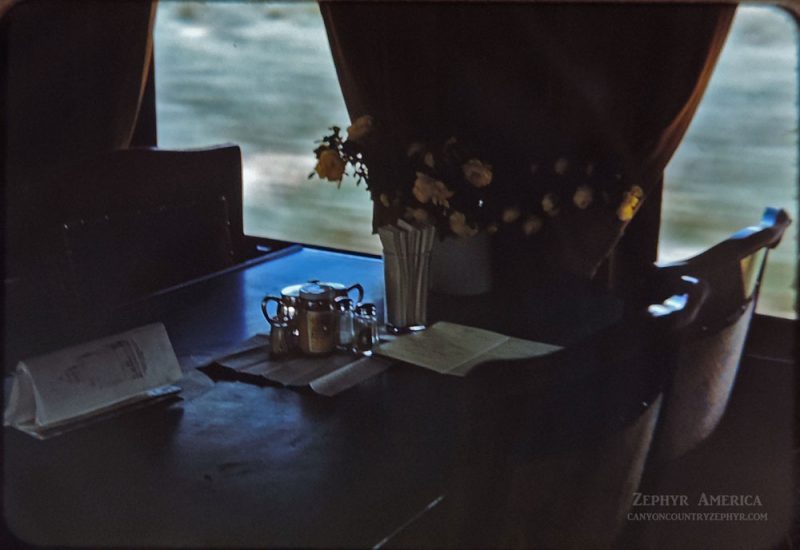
[{"x": 261, "y": 75}]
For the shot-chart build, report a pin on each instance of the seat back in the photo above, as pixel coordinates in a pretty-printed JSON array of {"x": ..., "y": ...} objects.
[
  {"x": 145, "y": 219},
  {"x": 73, "y": 86},
  {"x": 125, "y": 255},
  {"x": 563, "y": 439},
  {"x": 709, "y": 353},
  {"x": 90, "y": 221}
]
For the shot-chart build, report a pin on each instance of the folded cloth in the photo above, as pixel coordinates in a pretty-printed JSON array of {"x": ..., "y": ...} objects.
[{"x": 250, "y": 362}]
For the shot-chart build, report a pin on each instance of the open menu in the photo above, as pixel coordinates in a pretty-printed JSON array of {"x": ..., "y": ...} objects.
[
  {"x": 52, "y": 391},
  {"x": 449, "y": 348}
]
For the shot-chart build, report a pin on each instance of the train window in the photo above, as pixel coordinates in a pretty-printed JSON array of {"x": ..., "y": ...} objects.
[
  {"x": 261, "y": 75},
  {"x": 740, "y": 153}
]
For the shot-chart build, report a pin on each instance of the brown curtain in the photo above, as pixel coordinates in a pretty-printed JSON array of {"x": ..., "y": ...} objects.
[
  {"x": 532, "y": 81},
  {"x": 75, "y": 76}
]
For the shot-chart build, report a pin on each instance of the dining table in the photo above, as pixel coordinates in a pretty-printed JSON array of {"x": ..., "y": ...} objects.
[{"x": 391, "y": 461}]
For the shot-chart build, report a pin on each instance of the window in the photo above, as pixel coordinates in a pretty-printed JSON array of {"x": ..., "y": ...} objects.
[
  {"x": 261, "y": 75},
  {"x": 741, "y": 151}
]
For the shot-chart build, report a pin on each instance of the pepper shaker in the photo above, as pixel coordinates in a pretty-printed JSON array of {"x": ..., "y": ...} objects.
[
  {"x": 280, "y": 337},
  {"x": 366, "y": 329}
]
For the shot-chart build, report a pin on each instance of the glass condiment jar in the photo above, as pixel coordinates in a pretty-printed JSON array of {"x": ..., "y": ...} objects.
[
  {"x": 365, "y": 323},
  {"x": 316, "y": 320},
  {"x": 344, "y": 323},
  {"x": 280, "y": 337}
]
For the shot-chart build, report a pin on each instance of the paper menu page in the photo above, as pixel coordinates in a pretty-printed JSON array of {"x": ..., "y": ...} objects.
[
  {"x": 75, "y": 381},
  {"x": 454, "y": 349},
  {"x": 512, "y": 348},
  {"x": 442, "y": 346}
]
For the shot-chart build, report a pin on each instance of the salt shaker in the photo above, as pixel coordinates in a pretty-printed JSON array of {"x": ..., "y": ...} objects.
[
  {"x": 366, "y": 328},
  {"x": 344, "y": 323}
]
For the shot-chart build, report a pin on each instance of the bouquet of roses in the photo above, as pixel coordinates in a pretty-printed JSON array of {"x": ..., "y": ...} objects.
[
  {"x": 444, "y": 185},
  {"x": 450, "y": 186}
]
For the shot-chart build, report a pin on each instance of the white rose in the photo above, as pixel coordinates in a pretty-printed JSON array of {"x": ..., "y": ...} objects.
[
  {"x": 583, "y": 197},
  {"x": 423, "y": 188},
  {"x": 550, "y": 204},
  {"x": 414, "y": 149},
  {"x": 360, "y": 128},
  {"x": 458, "y": 225},
  {"x": 426, "y": 189},
  {"x": 441, "y": 193},
  {"x": 417, "y": 214},
  {"x": 532, "y": 224},
  {"x": 561, "y": 166},
  {"x": 477, "y": 173},
  {"x": 511, "y": 214}
]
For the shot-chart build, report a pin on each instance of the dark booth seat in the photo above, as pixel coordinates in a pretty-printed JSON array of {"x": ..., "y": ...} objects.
[
  {"x": 130, "y": 223},
  {"x": 727, "y": 422},
  {"x": 141, "y": 220},
  {"x": 569, "y": 432},
  {"x": 710, "y": 352}
]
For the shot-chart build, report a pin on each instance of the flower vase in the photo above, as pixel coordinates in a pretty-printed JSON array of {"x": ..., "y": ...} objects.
[{"x": 461, "y": 266}]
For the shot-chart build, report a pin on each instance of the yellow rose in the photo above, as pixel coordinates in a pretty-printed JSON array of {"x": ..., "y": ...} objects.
[
  {"x": 583, "y": 197},
  {"x": 458, "y": 225},
  {"x": 330, "y": 165},
  {"x": 631, "y": 200},
  {"x": 477, "y": 173},
  {"x": 360, "y": 128},
  {"x": 625, "y": 213}
]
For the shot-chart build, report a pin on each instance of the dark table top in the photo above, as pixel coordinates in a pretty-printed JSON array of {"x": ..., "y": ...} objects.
[{"x": 239, "y": 465}]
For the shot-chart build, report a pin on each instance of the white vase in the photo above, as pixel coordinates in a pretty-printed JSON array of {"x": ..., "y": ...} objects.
[{"x": 461, "y": 266}]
